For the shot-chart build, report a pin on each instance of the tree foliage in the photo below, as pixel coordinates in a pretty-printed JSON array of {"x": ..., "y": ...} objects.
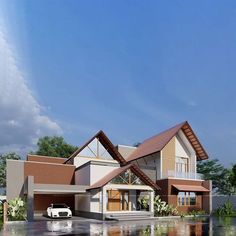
[
  {"x": 220, "y": 176},
  {"x": 211, "y": 170},
  {"x": 3, "y": 163},
  {"x": 54, "y": 146}
]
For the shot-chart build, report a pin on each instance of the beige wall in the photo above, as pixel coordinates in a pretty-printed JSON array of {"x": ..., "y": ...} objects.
[
  {"x": 15, "y": 179},
  {"x": 125, "y": 151},
  {"x": 168, "y": 157}
]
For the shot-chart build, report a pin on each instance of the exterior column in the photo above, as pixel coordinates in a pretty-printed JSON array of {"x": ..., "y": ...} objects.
[
  {"x": 30, "y": 198},
  {"x": 104, "y": 200},
  {"x": 151, "y": 201}
]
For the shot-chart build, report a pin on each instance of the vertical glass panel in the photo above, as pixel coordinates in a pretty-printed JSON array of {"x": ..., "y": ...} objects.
[
  {"x": 86, "y": 152},
  {"x": 192, "y": 199},
  {"x": 127, "y": 177}
]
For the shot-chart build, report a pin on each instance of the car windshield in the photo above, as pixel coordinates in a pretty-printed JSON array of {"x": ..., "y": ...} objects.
[{"x": 59, "y": 206}]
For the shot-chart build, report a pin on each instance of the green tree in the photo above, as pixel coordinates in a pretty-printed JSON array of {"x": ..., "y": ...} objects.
[
  {"x": 220, "y": 176},
  {"x": 232, "y": 179},
  {"x": 233, "y": 175},
  {"x": 3, "y": 163},
  {"x": 54, "y": 146}
]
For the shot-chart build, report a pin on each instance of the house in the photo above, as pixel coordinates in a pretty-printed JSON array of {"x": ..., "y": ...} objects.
[
  {"x": 170, "y": 159},
  {"x": 102, "y": 181}
]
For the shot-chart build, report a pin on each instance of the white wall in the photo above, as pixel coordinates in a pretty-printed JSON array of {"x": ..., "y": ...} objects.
[
  {"x": 82, "y": 202},
  {"x": 99, "y": 171},
  {"x": 95, "y": 201},
  {"x": 183, "y": 148},
  {"x": 82, "y": 176},
  {"x": 133, "y": 199}
]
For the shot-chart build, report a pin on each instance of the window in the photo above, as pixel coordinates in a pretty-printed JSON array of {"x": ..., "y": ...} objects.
[
  {"x": 95, "y": 149},
  {"x": 127, "y": 177},
  {"x": 186, "y": 199},
  {"x": 181, "y": 165}
]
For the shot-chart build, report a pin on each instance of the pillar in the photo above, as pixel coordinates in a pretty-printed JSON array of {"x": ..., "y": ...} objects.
[
  {"x": 30, "y": 198},
  {"x": 151, "y": 202}
]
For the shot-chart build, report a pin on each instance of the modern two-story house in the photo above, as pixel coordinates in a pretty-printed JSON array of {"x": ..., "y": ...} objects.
[
  {"x": 169, "y": 159},
  {"x": 102, "y": 181}
]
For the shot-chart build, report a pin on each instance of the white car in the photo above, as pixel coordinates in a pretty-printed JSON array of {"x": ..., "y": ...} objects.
[{"x": 59, "y": 210}]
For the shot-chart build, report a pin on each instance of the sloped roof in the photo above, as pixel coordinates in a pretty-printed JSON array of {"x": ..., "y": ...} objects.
[
  {"x": 105, "y": 141},
  {"x": 135, "y": 169},
  {"x": 159, "y": 141},
  {"x": 190, "y": 188}
]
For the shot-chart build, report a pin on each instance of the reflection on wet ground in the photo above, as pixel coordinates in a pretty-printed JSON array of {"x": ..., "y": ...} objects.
[{"x": 203, "y": 226}]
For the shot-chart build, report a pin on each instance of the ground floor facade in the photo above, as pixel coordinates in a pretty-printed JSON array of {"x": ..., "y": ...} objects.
[
  {"x": 186, "y": 195},
  {"x": 113, "y": 200}
]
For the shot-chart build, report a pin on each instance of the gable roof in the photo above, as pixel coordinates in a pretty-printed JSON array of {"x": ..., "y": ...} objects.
[
  {"x": 105, "y": 141},
  {"x": 159, "y": 141},
  {"x": 134, "y": 168}
]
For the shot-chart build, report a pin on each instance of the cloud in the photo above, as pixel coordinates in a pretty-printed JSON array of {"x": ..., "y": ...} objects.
[{"x": 22, "y": 120}]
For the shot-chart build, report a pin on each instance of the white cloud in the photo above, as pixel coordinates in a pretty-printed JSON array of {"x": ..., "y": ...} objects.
[{"x": 21, "y": 118}]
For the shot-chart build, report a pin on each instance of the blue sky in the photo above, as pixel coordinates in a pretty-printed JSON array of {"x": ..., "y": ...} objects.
[{"x": 130, "y": 68}]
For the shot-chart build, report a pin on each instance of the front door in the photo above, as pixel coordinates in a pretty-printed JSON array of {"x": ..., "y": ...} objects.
[
  {"x": 118, "y": 200},
  {"x": 114, "y": 197}
]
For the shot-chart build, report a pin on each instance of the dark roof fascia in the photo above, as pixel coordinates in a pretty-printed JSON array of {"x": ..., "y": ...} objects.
[{"x": 104, "y": 140}]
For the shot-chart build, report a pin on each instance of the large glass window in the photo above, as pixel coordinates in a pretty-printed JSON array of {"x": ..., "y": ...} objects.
[
  {"x": 127, "y": 177},
  {"x": 186, "y": 198},
  {"x": 95, "y": 149},
  {"x": 181, "y": 165}
]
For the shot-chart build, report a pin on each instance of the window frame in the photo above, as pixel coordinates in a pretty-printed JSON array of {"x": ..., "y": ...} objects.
[{"x": 184, "y": 198}]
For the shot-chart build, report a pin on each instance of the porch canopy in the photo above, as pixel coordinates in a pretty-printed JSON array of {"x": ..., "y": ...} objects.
[{"x": 190, "y": 188}]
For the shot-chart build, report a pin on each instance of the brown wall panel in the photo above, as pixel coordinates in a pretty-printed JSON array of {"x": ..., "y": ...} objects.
[
  {"x": 45, "y": 173},
  {"x": 46, "y": 159},
  {"x": 169, "y": 194}
]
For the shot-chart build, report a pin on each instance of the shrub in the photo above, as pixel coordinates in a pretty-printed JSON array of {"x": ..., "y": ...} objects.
[
  {"x": 226, "y": 209},
  {"x": 16, "y": 209},
  {"x": 161, "y": 208},
  {"x": 144, "y": 202}
]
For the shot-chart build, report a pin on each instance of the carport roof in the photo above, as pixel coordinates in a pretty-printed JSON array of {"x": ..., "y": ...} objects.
[{"x": 59, "y": 189}]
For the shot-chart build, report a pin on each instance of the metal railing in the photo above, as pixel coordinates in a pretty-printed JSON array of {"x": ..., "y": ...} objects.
[{"x": 184, "y": 175}]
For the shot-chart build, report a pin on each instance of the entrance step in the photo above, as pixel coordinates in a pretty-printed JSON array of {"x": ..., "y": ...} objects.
[{"x": 129, "y": 216}]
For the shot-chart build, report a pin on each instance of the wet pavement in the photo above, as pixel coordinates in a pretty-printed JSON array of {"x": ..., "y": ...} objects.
[{"x": 82, "y": 226}]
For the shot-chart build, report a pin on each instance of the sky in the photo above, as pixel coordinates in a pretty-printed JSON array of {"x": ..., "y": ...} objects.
[{"x": 129, "y": 68}]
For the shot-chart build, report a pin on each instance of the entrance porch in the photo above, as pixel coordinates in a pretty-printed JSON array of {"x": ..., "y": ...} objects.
[{"x": 122, "y": 201}]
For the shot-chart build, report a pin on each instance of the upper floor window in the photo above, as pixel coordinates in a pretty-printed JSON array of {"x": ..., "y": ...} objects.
[{"x": 181, "y": 164}]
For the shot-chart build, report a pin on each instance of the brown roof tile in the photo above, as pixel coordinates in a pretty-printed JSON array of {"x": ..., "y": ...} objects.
[{"x": 159, "y": 141}]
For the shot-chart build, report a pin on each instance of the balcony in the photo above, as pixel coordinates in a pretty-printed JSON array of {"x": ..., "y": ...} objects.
[{"x": 184, "y": 175}]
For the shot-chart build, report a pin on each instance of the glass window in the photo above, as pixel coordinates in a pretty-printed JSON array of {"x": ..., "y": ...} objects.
[
  {"x": 181, "y": 165},
  {"x": 127, "y": 177},
  {"x": 186, "y": 199},
  {"x": 192, "y": 199}
]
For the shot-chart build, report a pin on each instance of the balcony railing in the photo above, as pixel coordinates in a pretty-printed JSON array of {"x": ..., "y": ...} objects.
[{"x": 184, "y": 175}]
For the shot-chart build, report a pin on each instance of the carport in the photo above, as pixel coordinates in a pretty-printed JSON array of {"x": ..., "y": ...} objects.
[{"x": 40, "y": 196}]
